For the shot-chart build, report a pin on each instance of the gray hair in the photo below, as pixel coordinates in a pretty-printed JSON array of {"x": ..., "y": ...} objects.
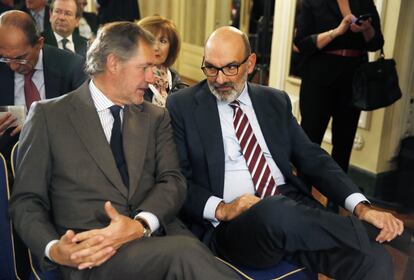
[{"x": 118, "y": 38}]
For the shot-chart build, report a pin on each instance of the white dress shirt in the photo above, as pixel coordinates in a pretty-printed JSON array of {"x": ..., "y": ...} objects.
[
  {"x": 237, "y": 177},
  {"x": 102, "y": 104},
  {"x": 69, "y": 45}
]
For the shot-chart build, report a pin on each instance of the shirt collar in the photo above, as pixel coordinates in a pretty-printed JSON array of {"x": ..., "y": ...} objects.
[
  {"x": 41, "y": 13},
  {"x": 99, "y": 99},
  {"x": 39, "y": 63},
  {"x": 59, "y": 38},
  {"x": 244, "y": 97}
]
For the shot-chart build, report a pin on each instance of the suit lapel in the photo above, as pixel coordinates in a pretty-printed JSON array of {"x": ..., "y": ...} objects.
[
  {"x": 86, "y": 122},
  {"x": 135, "y": 140},
  {"x": 208, "y": 122},
  {"x": 269, "y": 119},
  {"x": 52, "y": 75}
]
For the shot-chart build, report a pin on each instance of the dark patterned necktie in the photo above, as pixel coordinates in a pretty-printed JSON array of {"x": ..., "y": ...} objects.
[
  {"x": 31, "y": 93},
  {"x": 64, "y": 44},
  {"x": 263, "y": 180},
  {"x": 116, "y": 144}
]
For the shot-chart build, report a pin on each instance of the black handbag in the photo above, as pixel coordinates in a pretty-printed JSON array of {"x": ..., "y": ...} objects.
[{"x": 375, "y": 84}]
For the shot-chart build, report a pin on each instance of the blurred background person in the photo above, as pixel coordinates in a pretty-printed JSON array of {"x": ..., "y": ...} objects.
[
  {"x": 64, "y": 19},
  {"x": 166, "y": 47},
  {"x": 333, "y": 45},
  {"x": 116, "y": 10},
  {"x": 88, "y": 23},
  {"x": 6, "y": 5},
  {"x": 40, "y": 13}
]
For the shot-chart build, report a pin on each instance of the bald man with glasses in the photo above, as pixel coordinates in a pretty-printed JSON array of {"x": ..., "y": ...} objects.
[{"x": 30, "y": 70}]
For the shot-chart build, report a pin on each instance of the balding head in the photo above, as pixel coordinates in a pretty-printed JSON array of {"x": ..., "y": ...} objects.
[
  {"x": 227, "y": 62},
  {"x": 19, "y": 41},
  {"x": 229, "y": 36},
  {"x": 21, "y": 21}
]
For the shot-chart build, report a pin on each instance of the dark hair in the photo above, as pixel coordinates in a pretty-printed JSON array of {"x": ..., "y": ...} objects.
[
  {"x": 22, "y": 21},
  {"x": 157, "y": 24},
  {"x": 79, "y": 10},
  {"x": 119, "y": 38}
]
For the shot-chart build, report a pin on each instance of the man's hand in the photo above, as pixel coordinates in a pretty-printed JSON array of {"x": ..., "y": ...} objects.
[
  {"x": 229, "y": 211},
  {"x": 389, "y": 225},
  {"x": 6, "y": 120},
  {"x": 121, "y": 230},
  {"x": 62, "y": 251}
]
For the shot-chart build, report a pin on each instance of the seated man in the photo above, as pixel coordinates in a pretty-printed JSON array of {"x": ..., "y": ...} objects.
[
  {"x": 40, "y": 14},
  {"x": 30, "y": 70},
  {"x": 238, "y": 145},
  {"x": 64, "y": 19},
  {"x": 98, "y": 174},
  {"x": 88, "y": 23}
]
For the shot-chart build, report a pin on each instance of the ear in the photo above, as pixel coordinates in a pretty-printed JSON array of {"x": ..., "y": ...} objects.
[
  {"x": 77, "y": 21},
  {"x": 251, "y": 62},
  {"x": 112, "y": 63},
  {"x": 40, "y": 42}
]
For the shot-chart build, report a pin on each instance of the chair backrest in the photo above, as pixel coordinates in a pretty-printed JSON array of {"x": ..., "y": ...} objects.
[
  {"x": 13, "y": 158},
  {"x": 7, "y": 256}
]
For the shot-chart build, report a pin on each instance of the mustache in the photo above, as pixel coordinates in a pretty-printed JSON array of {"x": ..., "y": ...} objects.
[{"x": 226, "y": 84}]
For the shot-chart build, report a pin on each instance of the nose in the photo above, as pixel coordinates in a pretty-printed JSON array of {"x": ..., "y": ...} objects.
[
  {"x": 221, "y": 78},
  {"x": 14, "y": 66}
]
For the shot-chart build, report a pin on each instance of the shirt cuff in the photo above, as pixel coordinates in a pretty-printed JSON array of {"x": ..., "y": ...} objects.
[
  {"x": 48, "y": 246},
  {"x": 353, "y": 200},
  {"x": 151, "y": 219},
  {"x": 209, "y": 212}
]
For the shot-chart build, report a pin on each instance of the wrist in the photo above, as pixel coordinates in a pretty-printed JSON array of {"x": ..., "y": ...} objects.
[
  {"x": 219, "y": 211},
  {"x": 146, "y": 230},
  {"x": 362, "y": 208},
  {"x": 332, "y": 34}
]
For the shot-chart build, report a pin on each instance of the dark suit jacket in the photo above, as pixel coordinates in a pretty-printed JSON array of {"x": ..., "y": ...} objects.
[
  {"x": 66, "y": 170},
  {"x": 81, "y": 43},
  {"x": 198, "y": 136},
  {"x": 115, "y": 10},
  {"x": 63, "y": 72},
  {"x": 46, "y": 19},
  {"x": 319, "y": 16},
  {"x": 92, "y": 20}
]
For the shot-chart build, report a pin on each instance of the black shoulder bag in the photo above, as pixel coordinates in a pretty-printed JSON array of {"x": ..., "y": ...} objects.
[{"x": 375, "y": 84}]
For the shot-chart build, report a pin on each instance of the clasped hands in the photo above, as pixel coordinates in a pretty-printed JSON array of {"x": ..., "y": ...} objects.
[
  {"x": 7, "y": 120},
  {"x": 94, "y": 247}
]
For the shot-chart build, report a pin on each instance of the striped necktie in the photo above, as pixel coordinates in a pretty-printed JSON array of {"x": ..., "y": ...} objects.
[
  {"x": 263, "y": 180},
  {"x": 31, "y": 93}
]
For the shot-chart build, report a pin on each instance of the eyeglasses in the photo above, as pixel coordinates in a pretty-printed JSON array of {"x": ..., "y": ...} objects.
[
  {"x": 63, "y": 13},
  {"x": 228, "y": 70},
  {"x": 14, "y": 60}
]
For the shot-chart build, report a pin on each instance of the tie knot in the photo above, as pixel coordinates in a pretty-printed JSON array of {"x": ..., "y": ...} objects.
[
  {"x": 115, "y": 109},
  {"x": 29, "y": 75},
  {"x": 235, "y": 104}
]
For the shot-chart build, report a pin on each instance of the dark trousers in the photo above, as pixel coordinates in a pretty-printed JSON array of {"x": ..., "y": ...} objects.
[
  {"x": 282, "y": 228},
  {"x": 176, "y": 256},
  {"x": 319, "y": 102}
]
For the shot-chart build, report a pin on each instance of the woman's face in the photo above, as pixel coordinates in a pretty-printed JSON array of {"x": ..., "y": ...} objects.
[{"x": 162, "y": 48}]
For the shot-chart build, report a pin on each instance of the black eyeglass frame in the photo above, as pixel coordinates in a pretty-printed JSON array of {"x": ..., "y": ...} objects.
[{"x": 223, "y": 69}]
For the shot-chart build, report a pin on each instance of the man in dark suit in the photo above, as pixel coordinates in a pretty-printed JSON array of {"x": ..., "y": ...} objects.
[
  {"x": 239, "y": 146},
  {"x": 88, "y": 23},
  {"x": 98, "y": 170},
  {"x": 40, "y": 14},
  {"x": 64, "y": 19},
  {"x": 53, "y": 72}
]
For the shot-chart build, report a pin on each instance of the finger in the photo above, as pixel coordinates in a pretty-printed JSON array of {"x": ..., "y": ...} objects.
[
  {"x": 82, "y": 236},
  {"x": 16, "y": 130},
  {"x": 88, "y": 247},
  {"x": 97, "y": 258},
  {"x": 67, "y": 237},
  {"x": 111, "y": 211}
]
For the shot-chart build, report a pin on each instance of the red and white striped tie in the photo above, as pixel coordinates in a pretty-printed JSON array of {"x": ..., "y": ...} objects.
[{"x": 263, "y": 180}]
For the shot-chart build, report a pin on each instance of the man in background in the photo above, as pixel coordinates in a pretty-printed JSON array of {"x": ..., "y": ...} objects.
[
  {"x": 40, "y": 14},
  {"x": 64, "y": 19}
]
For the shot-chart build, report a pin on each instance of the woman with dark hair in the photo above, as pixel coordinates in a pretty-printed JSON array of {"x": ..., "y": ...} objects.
[
  {"x": 167, "y": 47},
  {"x": 334, "y": 36}
]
